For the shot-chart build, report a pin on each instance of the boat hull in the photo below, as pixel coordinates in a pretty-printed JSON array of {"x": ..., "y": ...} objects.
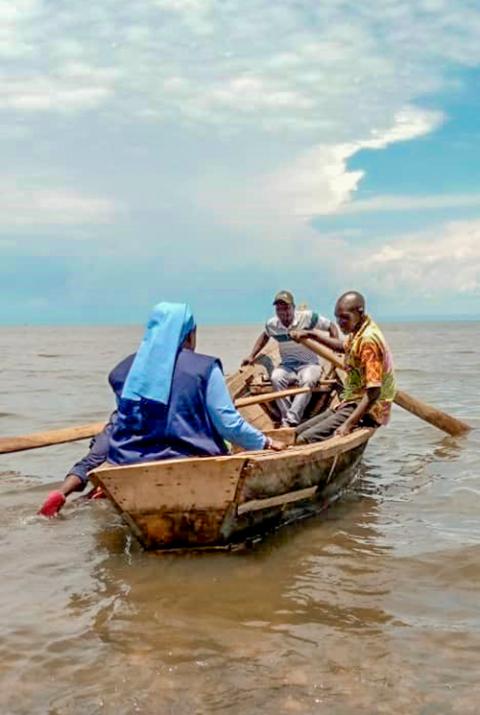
[{"x": 216, "y": 502}]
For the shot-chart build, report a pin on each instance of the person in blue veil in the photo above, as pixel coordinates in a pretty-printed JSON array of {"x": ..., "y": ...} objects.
[
  {"x": 175, "y": 402},
  {"x": 171, "y": 402}
]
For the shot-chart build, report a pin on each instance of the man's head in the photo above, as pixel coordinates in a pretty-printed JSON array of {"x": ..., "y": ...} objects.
[
  {"x": 284, "y": 307},
  {"x": 350, "y": 311}
]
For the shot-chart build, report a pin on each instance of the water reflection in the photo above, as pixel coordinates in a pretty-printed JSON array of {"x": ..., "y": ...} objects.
[{"x": 206, "y": 625}]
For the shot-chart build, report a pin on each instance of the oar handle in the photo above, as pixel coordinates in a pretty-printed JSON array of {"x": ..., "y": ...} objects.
[
  {"x": 269, "y": 396},
  {"x": 45, "y": 439}
]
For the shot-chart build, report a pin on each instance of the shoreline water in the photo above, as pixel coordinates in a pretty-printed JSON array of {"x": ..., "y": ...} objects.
[{"x": 372, "y": 608}]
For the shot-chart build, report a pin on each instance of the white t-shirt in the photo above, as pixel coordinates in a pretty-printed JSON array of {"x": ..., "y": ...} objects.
[{"x": 294, "y": 355}]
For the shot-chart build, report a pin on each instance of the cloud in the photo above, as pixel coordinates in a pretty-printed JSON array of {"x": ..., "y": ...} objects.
[
  {"x": 240, "y": 116},
  {"x": 303, "y": 73},
  {"x": 431, "y": 264},
  {"x": 15, "y": 27},
  {"x": 32, "y": 207},
  {"x": 73, "y": 86},
  {"x": 318, "y": 182},
  {"x": 45, "y": 94},
  {"x": 385, "y": 203},
  {"x": 290, "y": 67}
]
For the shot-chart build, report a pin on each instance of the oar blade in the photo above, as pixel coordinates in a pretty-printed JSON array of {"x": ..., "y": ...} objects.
[{"x": 432, "y": 415}]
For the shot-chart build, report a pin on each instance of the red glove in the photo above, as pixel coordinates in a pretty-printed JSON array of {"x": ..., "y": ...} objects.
[{"x": 52, "y": 504}]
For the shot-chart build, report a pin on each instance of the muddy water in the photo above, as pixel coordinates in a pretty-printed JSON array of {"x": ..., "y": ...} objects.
[{"x": 373, "y": 608}]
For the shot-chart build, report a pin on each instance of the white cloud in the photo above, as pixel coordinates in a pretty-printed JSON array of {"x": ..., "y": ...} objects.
[
  {"x": 32, "y": 206},
  {"x": 433, "y": 263},
  {"x": 385, "y": 203},
  {"x": 319, "y": 78},
  {"x": 316, "y": 183},
  {"x": 320, "y": 182},
  {"x": 40, "y": 94},
  {"x": 15, "y": 27},
  {"x": 296, "y": 67},
  {"x": 76, "y": 85}
]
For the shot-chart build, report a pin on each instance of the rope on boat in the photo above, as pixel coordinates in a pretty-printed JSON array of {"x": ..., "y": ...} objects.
[{"x": 332, "y": 468}]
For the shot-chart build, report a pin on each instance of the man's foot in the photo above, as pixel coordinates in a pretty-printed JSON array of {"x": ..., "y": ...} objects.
[
  {"x": 289, "y": 423},
  {"x": 52, "y": 504}
]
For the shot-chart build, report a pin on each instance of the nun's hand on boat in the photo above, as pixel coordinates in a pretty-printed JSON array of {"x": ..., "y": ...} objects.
[{"x": 275, "y": 444}]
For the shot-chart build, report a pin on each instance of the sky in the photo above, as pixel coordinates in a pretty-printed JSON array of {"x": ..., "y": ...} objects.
[{"x": 217, "y": 151}]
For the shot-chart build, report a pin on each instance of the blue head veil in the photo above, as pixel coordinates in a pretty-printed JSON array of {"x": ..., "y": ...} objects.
[{"x": 150, "y": 376}]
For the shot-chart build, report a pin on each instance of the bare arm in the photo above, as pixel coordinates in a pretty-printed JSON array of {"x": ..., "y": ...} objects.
[
  {"x": 260, "y": 343},
  {"x": 333, "y": 331},
  {"x": 371, "y": 395},
  {"x": 334, "y": 343}
]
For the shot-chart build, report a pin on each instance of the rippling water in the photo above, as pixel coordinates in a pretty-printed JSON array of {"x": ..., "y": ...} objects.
[{"x": 373, "y": 608}]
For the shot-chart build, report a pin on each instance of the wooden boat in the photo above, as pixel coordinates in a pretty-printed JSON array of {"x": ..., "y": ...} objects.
[{"x": 218, "y": 502}]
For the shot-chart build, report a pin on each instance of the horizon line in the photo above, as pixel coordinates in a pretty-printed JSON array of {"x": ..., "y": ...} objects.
[{"x": 462, "y": 317}]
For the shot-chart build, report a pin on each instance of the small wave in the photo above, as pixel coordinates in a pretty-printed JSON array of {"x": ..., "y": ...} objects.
[
  {"x": 12, "y": 480},
  {"x": 49, "y": 355},
  {"x": 10, "y": 473}
]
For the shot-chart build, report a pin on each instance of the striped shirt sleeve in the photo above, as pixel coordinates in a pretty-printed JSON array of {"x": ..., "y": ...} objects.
[{"x": 319, "y": 322}]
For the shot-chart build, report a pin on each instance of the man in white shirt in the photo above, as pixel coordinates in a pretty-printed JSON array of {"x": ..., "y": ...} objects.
[{"x": 298, "y": 365}]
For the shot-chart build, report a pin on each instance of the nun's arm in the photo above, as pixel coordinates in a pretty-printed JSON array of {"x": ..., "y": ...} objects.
[{"x": 227, "y": 420}]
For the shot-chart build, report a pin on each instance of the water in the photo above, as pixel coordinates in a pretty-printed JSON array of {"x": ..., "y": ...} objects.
[{"x": 372, "y": 608}]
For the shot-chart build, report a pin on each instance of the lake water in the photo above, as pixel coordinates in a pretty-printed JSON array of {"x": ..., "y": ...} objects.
[{"x": 371, "y": 608}]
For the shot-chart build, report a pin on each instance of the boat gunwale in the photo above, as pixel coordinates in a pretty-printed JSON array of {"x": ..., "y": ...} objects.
[{"x": 325, "y": 449}]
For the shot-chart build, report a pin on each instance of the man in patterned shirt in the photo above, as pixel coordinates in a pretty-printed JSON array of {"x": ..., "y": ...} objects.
[
  {"x": 369, "y": 387},
  {"x": 298, "y": 366}
]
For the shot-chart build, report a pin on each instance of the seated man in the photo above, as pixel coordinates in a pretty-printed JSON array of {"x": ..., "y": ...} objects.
[
  {"x": 175, "y": 402},
  {"x": 298, "y": 366},
  {"x": 369, "y": 387}
]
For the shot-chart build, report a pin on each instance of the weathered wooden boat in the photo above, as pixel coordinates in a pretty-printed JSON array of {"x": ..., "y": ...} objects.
[{"x": 219, "y": 502}]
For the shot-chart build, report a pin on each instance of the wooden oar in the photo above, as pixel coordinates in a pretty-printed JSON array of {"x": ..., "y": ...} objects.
[
  {"x": 45, "y": 439},
  {"x": 73, "y": 434},
  {"x": 426, "y": 412},
  {"x": 269, "y": 396}
]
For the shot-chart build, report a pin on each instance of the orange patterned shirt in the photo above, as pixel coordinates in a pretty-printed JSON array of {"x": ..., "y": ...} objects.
[{"x": 369, "y": 363}]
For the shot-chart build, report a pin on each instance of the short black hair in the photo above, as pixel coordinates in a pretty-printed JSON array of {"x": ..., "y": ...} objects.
[{"x": 353, "y": 300}]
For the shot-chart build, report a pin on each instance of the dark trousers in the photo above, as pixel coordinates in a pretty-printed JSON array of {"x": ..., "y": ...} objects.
[{"x": 323, "y": 425}]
